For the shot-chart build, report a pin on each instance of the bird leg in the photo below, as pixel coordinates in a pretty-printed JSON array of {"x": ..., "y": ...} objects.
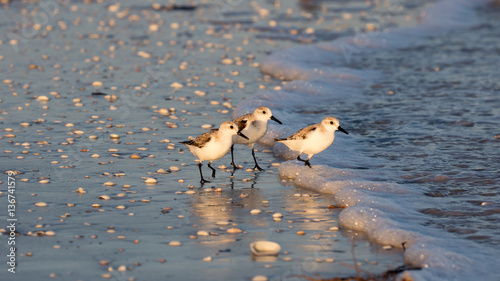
[
  {"x": 306, "y": 162},
  {"x": 213, "y": 170},
  {"x": 202, "y": 181},
  {"x": 255, "y": 160},
  {"x": 232, "y": 158}
]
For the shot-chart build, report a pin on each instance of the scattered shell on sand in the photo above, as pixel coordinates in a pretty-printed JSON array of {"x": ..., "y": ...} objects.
[
  {"x": 174, "y": 168},
  {"x": 150, "y": 181},
  {"x": 301, "y": 232},
  {"x": 255, "y": 211},
  {"x": 265, "y": 248},
  {"x": 121, "y": 268},
  {"x": 174, "y": 243},
  {"x": 234, "y": 230},
  {"x": 104, "y": 197},
  {"x": 42, "y": 98},
  {"x": 80, "y": 190},
  {"x": 227, "y": 61},
  {"x": 277, "y": 215},
  {"x": 176, "y": 85},
  {"x": 259, "y": 278},
  {"x": 109, "y": 183},
  {"x": 207, "y": 259},
  {"x": 202, "y": 233},
  {"x": 44, "y": 181},
  {"x": 222, "y": 223},
  {"x": 41, "y": 204}
]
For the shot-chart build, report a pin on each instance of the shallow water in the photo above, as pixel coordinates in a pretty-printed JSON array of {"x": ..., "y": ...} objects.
[
  {"x": 421, "y": 105},
  {"x": 438, "y": 125}
]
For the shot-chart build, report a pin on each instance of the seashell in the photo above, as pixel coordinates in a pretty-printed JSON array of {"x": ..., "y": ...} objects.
[
  {"x": 234, "y": 230},
  {"x": 255, "y": 211},
  {"x": 265, "y": 248},
  {"x": 151, "y": 181},
  {"x": 41, "y": 204},
  {"x": 175, "y": 243}
]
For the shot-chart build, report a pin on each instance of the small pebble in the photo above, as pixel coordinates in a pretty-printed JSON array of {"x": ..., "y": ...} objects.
[
  {"x": 150, "y": 181},
  {"x": 234, "y": 230},
  {"x": 301, "y": 232},
  {"x": 122, "y": 268},
  {"x": 80, "y": 190},
  {"x": 222, "y": 223},
  {"x": 259, "y": 278},
  {"x": 176, "y": 85},
  {"x": 255, "y": 211},
  {"x": 41, "y": 204},
  {"x": 42, "y": 98},
  {"x": 174, "y": 243},
  {"x": 202, "y": 233}
]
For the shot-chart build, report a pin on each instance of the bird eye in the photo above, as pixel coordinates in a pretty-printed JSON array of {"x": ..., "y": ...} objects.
[
  {"x": 231, "y": 127},
  {"x": 264, "y": 112},
  {"x": 331, "y": 122}
]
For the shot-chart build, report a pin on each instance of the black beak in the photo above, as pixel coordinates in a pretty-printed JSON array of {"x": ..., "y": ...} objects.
[
  {"x": 343, "y": 131},
  {"x": 276, "y": 120},
  {"x": 242, "y": 135}
]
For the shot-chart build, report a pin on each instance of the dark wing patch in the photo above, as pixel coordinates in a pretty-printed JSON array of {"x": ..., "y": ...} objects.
[
  {"x": 302, "y": 133},
  {"x": 200, "y": 141},
  {"x": 242, "y": 121}
]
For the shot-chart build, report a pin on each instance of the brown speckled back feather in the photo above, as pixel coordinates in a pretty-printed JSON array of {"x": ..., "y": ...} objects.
[{"x": 201, "y": 140}]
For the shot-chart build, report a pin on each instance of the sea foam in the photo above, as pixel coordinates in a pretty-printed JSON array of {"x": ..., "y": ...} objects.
[{"x": 386, "y": 211}]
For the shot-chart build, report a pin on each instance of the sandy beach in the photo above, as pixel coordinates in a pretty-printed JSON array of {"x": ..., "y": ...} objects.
[{"x": 96, "y": 96}]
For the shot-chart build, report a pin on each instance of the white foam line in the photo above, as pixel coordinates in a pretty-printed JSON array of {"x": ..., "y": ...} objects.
[{"x": 387, "y": 212}]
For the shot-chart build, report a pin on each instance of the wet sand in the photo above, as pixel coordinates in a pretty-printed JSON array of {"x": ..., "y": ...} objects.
[{"x": 95, "y": 100}]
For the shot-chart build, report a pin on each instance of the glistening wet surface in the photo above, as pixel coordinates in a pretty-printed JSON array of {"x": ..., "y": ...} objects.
[
  {"x": 96, "y": 96},
  {"x": 434, "y": 117}
]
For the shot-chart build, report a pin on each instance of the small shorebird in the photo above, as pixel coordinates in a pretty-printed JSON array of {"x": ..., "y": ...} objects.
[
  {"x": 254, "y": 126},
  {"x": 313, "y": 139},
  {"x": 213, "y": 145}
]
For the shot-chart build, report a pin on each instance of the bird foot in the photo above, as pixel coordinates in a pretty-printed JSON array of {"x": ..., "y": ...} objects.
[{"x": 258, "y": 168}]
